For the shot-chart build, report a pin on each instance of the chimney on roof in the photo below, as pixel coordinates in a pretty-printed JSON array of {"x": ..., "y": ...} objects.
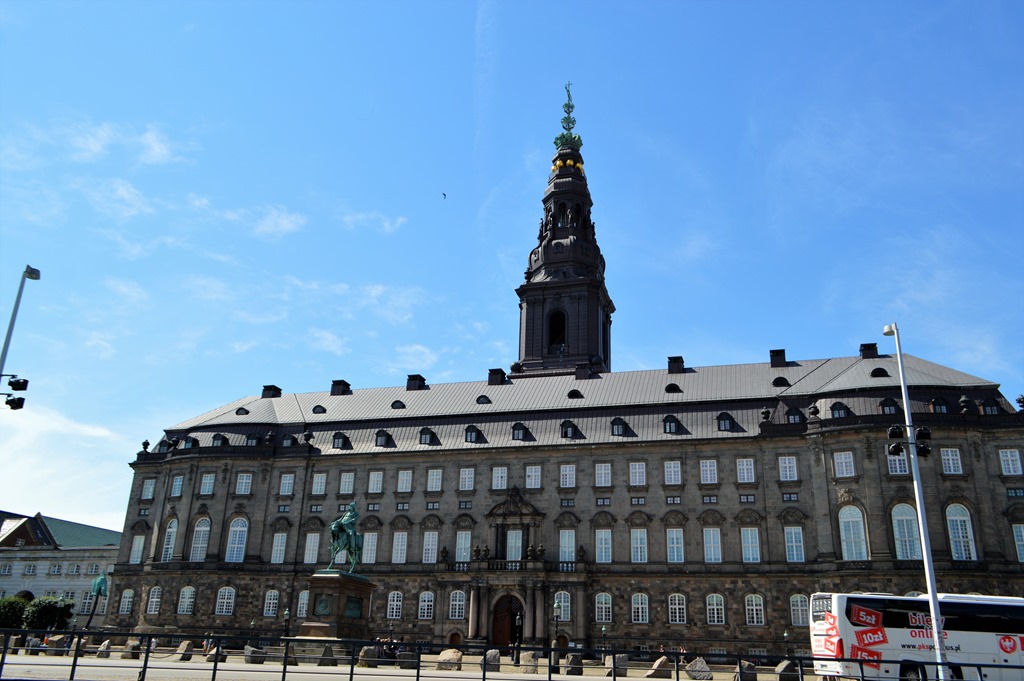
[
  {"x": 496, "y": 377},
  {"x": 778, "y": 358},
  {"x": 676, "y": 365},
  {"x": 582, "y": 371},
  {"x": 340, "y": 387},
  {"x": 868, "y": 350},
  {"x": 415, "y": 382},
  {"x": 271, "y": 391}
]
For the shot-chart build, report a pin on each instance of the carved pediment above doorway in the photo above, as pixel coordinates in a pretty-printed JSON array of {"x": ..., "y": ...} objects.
[{"x": 515, "y": 509}]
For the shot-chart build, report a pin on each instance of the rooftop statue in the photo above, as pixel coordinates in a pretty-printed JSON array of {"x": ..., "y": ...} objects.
[
  {"x": 568, "y": 138},
  {"x": 345, "y": 538}
]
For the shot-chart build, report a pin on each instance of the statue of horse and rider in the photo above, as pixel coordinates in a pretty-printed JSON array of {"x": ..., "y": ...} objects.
[{"x": 345, "y": 538}]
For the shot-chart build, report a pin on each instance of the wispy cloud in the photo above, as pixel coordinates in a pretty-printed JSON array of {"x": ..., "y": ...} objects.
[
  {"x": 100, "y": 344},
  {"x": 88, "y": 142},
  {"x": 414, "y": 357},
  {"x": 393, "y": 304},
  {"x": 129, "y": 291},
  {"x": 207, "y": 288},
  {"x": 155, "y": 147},
  {"x": 117, "y": 198},
  {"x": 322, "y": 339},
  {"x": 278, "y": 221},
  {"x": 372, "y": 220}
]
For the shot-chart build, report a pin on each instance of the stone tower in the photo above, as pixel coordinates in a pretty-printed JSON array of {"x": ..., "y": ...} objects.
[{"x": 565, "y": 313}]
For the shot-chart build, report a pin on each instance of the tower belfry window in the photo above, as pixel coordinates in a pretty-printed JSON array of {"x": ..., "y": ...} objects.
[{"x": 556, "y": 331}]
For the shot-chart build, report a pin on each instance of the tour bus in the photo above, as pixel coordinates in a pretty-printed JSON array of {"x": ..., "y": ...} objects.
[{"x": 882, "y": 636}]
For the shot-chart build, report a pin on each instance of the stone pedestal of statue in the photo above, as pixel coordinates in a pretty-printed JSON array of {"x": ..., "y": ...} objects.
[{"x": 339, "y": 606}]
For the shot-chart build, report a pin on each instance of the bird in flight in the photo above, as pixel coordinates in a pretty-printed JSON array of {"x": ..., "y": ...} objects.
[{"x": 444, "y": 195}]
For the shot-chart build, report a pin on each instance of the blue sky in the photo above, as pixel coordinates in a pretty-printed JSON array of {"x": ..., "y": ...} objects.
[{"x": 222, "y": 195}]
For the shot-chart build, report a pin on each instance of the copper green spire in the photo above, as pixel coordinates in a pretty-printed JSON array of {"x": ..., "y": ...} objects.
[{"x": 568, "y": 138}]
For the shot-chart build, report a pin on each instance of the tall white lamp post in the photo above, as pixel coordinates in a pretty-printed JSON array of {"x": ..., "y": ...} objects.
[
  {"x": 29, "y": 273},
  {"x": 922, "y": 522}
]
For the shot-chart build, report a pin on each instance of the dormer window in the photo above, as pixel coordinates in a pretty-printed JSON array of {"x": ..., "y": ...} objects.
[
  {"x": 725, "y": 422},
  {"x": 939, "y": 406},
  {"x": 889, "y": 406},
  {"x": 382, "y": 438},
  {"x": 781, "y": 382},
  {"x": 518, "y": 431},
  {"x": 839, "y": 411},
  {"x": 472, "y": 434},
  {"x": 241, "y": 411},
  {"x": 252, "y": 440},
  {"x": 879, "y": 372},
  {"x": 163, "y": 447},
  {"x": 671, "y": 425},
  {"x": 427, "y": 436},
  {"x": 618, "y": 427},
  {"x": 575, "y": 395},
  {"x": 483, "y": 399},
  {"x": 289, "y": 441},
  {"x": 340, "y": 441},
  {"x": 398, "y": 404},
  {"x": 673, "y": 388},
  {"x": 219, "y": 440},
  {"x": 319, "y": 409},
  {"x": 794, "y": 415},
  {"x": 990, "y": 407},
  {"x": 568, "y": 429}
]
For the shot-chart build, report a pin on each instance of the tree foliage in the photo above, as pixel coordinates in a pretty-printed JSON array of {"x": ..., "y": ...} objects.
[
  {"x": 12, "y": 612},
  {"x": 48, "y": 612}
]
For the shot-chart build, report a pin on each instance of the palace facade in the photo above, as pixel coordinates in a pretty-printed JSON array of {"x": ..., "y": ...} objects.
[{"x": 562, "y": 500}]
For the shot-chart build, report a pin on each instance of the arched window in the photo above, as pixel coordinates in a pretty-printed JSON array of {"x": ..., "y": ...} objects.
[
  {"x": 640, "y": 609},
  {"x": 302, "y": 607},
  {"x": 457, "y": 606},
  {"x": 169, "y": 536},
  {"x": 270, "y": 603},
  {"x": 676, "y": 609},
  {"x": 715, "y": 607},
  {"x": 852, "y": 538},
  {"x": 473, "y": 434},
  {"x": 839, "y": 411},
  {"x": 603, "y": 607},
  {"x": 618, "y": 427},
  {"x": 339, "y": 441},
  {"x": 799, "y": 610},
  {"x": 153, "y": 606},
  {"x": 426, "y": 609},
  {"x": 225, "y": 601},
  {"x": 200, "y": 540},
  {"x": 427, "y": 436},
  {"x": 670, "y": 425},
  {"x": 127, "y": 598},
  {"x": 905, "y": 532},
  {"x": 220, "y": 441},
  {"x": 754, "y": 607},
  {"x": 939, "y": 406},
  {"x": 518, "y": 431},
  {"x": 186, "y": 600},
  {"x": 564, "y": 602},
  {"x": 794, "y": 415},
  {"x": 961, "y": 536},
  {"x": 889, "y": 406},
  {"x": 382, "y": 438},
  {"x": 394, "y": 605},
  {"x": 568, "y": 429},
  {"x": 237, "y": 535},
  {"x": 725, "y": 421}
]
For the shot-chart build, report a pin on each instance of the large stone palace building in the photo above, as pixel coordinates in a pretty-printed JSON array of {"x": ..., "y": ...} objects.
[{"x": 561, "y": 500}]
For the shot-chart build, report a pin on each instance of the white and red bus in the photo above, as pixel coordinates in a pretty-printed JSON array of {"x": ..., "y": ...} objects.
[{"x": 890, "y": 637}]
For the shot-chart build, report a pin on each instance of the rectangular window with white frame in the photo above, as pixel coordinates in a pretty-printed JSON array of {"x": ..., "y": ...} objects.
[
  {"x": 794, "y": 543},
  {"x": 499, "y": 477},
  {"x": 708, "y": 471},
  {"x": 206, "y": 483},
  {"x": 467, "y": 479},
  {"x": 369, "y": 547},
  {"x": 638, "y": 545},
  {"x": 788, "y": 469},
  {"x": 567, "y": 475},
  {"x": 463, "y": 545},
  {"x": 347, "y": 483},
  {"x": 287, "y": 487},
  {"x": 243, "y": 484},
  {"x": 750, "y": 538},
  {"x": 673, "y": 472},
  {"x": 567, "y": 545},
  {"x": 712, "y": 545},
  {"x": 375, "y": 482},
  {"x": 148, "y": 488},
  {"x": 1018, "y": 541},
  {"x": 637, "y": 473},
  {"x": 319, "y": 487},
  {"x": 404, "y": 484},
  {"x": 177, "y": 483},
  {"x": 279, "y": 544},
  {"x": 674, "y": 545},
  {"x": 951, "y": 462},
  {"x": 434, "y": 477},
  {"x": 602, "y": 475},
  {"x": 399, "y": 545},
  {"x": 1009, "y": 462},
  {"x": 898, "y": 465},
  {"x": 514, "y": 545},
  {"x": 312, "y": 548},
  {"x": 745, "y": 470},
  {"x": 843, "y": 465},
  {"x": 138, "y": 546},
  {"x": 603, "y": 545},
  {"x": 533, "y": 477},
  {"x": 430, "y": 547}
]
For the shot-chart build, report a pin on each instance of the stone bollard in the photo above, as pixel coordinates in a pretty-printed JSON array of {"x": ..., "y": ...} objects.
[
  {"x": 528, "y": 662},
  {"x": 327, "y": 658},
  {"x": 698, "y": 670},
  {"x": 745, "y": 671},
  {"x": 407, "y": 660},
  {"x": 183, "y": 653},
  {"x": 620, "y": 662},
  {"x": 449, "y": 660},
  {"x": 131, "y": 650},
  {"x": 787, "y": 671},
  {"x": 103, "y": 651},
  {"x": 491, "y": 661},
  {"x": 56, "y": 645},
  {"x": 574, "y": 664},
  {"x": 217, "y": 653},
  {"x": 661, "y": 669},
  {"x": 254, "y": 655}
]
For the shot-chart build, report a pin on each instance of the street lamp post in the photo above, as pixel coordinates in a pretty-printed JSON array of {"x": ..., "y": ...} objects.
[
  {"x": 252, "y": 633},
  {"x": 922, "y": 521},
  {"x": 518, "y": 638},
  {"x": 555, "y": 617},
  {"x": 29, "y": 273},
  {"x": 604, "y": 640},
  {"x": 287, "y": 621}
]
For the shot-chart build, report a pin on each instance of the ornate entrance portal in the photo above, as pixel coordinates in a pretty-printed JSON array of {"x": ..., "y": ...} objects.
[{"x": 507, "y": 621}]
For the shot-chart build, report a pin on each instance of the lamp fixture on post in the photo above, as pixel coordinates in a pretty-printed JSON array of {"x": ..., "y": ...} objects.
[
  {"x": 29, "y": 273},
  {"x": 556, "y": 615},
  {"x": 922, "y": 521},
  {"x": 287, "y": 621}
]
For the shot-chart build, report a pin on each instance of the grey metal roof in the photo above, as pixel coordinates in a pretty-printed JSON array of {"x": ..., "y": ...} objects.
[{"x": 621, "y": 391}]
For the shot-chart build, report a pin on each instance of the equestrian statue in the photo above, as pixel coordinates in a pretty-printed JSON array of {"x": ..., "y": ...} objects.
[{"x": 345, "y": 538}]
